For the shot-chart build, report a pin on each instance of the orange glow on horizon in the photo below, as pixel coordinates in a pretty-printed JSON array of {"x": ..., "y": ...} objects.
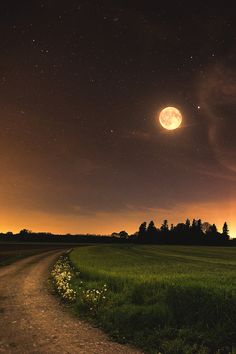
[{"x": 106, "y": 223}]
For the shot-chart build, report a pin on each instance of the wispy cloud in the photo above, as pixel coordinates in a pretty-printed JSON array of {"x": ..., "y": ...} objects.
[{"x": 217, "y": 93}]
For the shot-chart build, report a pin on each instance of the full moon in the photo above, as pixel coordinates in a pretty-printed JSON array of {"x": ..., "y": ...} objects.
[{"x": 170, "y": 118}]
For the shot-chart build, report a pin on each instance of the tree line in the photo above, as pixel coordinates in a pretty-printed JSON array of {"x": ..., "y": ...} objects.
[
  {"x": 197, "y": 232},
  {"x": 189, "y": 233}
]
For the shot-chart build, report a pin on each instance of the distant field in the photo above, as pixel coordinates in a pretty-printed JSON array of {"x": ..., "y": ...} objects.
[
  {"x": 11, "y": 252},
  {"x": 172, "y": 299}
]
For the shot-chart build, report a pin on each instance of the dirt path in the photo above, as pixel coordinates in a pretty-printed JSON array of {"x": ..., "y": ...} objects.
[{"x": 32, "y": 321}]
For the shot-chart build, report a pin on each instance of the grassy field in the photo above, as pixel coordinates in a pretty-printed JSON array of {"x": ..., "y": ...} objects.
[{"x": 168, "y": 299}]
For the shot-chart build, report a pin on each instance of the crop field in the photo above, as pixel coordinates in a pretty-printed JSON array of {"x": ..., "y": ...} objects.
[
  {"x": 11, "y": 252},
  {"x": 167, "y": 299}
]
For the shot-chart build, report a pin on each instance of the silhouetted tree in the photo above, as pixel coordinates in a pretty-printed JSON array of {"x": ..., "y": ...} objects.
[
  {"x": 151, "y": 232},
  {"x": 25, "y": 232},
  {"x": 225, "y": 232},
  {"x": 212, "y": 235},
  {"x": 199, "y": 226},
  {"x": 205, "y": 227},
  {"x": 180, "y": 233},
  {"x": 123, "y": 234},
  {"x": 115, "y": 234},
  {"x": 164, "y": 226},
  {"x": 213, "y": 229},
  {"x": 194, "y": 226},
  {"x": 142, "y": 232},
  {"x": 187, "y": 224}
]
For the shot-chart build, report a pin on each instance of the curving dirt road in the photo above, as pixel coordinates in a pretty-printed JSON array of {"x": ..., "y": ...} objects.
[{"x": 32, "y": 321}]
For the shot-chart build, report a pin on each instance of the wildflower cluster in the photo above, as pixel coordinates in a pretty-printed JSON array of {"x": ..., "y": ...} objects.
[
  {"x": 62, "y": 275},
  {"x": 92, "y": 298}
]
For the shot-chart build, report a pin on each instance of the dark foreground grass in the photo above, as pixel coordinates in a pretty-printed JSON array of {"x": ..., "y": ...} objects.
[
  {"x": 12, "y": 251},
  {"x": 9, "y": 258},
  {"x": 168, "y": 299}
]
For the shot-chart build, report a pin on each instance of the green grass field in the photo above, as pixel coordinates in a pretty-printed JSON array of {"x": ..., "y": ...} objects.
[{"x": 168, "y": 299}]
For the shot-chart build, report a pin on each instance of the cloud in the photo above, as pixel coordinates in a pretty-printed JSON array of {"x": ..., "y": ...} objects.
[{"x": 217, "y": 93}]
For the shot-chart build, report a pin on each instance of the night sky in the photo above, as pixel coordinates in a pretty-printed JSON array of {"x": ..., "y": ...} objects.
[{"x": 81, "y": 86}]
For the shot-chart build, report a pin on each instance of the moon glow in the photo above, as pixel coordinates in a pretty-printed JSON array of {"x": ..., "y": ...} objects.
[{"x": 170, "y": 118}]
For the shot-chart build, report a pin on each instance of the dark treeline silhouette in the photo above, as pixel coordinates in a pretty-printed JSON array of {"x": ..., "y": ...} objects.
[
  {"x": 188, "y": 233},
  {"x": 183, "y": 233},
  {"x": 29, "y": 236}
]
